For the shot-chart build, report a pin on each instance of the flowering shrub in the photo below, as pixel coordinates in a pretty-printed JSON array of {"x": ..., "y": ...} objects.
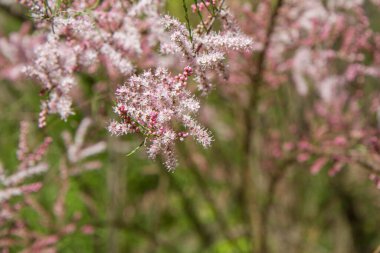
[{"x": 266, "y": 86}]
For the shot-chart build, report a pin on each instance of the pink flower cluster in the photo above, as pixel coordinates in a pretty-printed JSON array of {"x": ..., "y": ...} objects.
[
  {"x": 82, "y": 37},
  {"x": 153, "y": 104},
  {"x": 77, "y": 41},
  {"x": 203, "y": 49}
]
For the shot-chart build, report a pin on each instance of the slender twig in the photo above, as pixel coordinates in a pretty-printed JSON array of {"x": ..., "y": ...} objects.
[
  {"x": 268, "y": 203},
  {"x": 211, "y": 23},
  {"x": 138, "y": 147},
  {"x": 200, "y": 16},
  {"x": 187, "y": 20},
  {"x": 202, "y": 230},
  {"x": 208, "y": 10}
]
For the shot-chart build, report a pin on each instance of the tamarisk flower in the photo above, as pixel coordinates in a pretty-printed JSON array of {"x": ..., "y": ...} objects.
[
  {"x": 202, "y": 49},
  {"x": 151, "y": 104},
  {"x": 53, "y": 68}
]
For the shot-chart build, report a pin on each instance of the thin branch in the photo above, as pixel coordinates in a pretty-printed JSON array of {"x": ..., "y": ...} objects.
[
  {"x": 251, "y": 115},
  {"x": 207, "y": 194},
  {"x": 202, "y": 230},
  {"x": 187, "y": 20},
  {"x": 268, "y": 203},
  {"x": 206, "y": 237},
  {"x": 211, "y": 23},
  {"x": 200, "y": 15}
]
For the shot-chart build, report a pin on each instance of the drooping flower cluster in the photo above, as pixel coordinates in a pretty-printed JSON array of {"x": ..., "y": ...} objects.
[{"x": 153, "y": 104}]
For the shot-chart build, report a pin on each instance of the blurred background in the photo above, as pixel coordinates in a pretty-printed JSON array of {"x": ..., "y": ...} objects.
[{"x": 133, "y": 204}]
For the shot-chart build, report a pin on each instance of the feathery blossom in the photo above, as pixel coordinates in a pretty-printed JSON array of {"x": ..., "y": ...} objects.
[
  {"x": 227, "y": 41},
  {"x": 53, "y": 68},
  {"x": 202, "y": 49},
  {"x": 151, "y": 104},
  {"x": 308, "y": 38},
  {"x": 210, "y": 60}
]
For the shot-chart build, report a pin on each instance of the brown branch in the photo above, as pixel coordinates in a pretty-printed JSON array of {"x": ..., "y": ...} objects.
[
  {"x": 268, "y": 203},
  {"x": 250, "y": 115}
]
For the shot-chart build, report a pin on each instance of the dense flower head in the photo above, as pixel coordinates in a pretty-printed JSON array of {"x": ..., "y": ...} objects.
[{"x": 152, "y": 103}]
